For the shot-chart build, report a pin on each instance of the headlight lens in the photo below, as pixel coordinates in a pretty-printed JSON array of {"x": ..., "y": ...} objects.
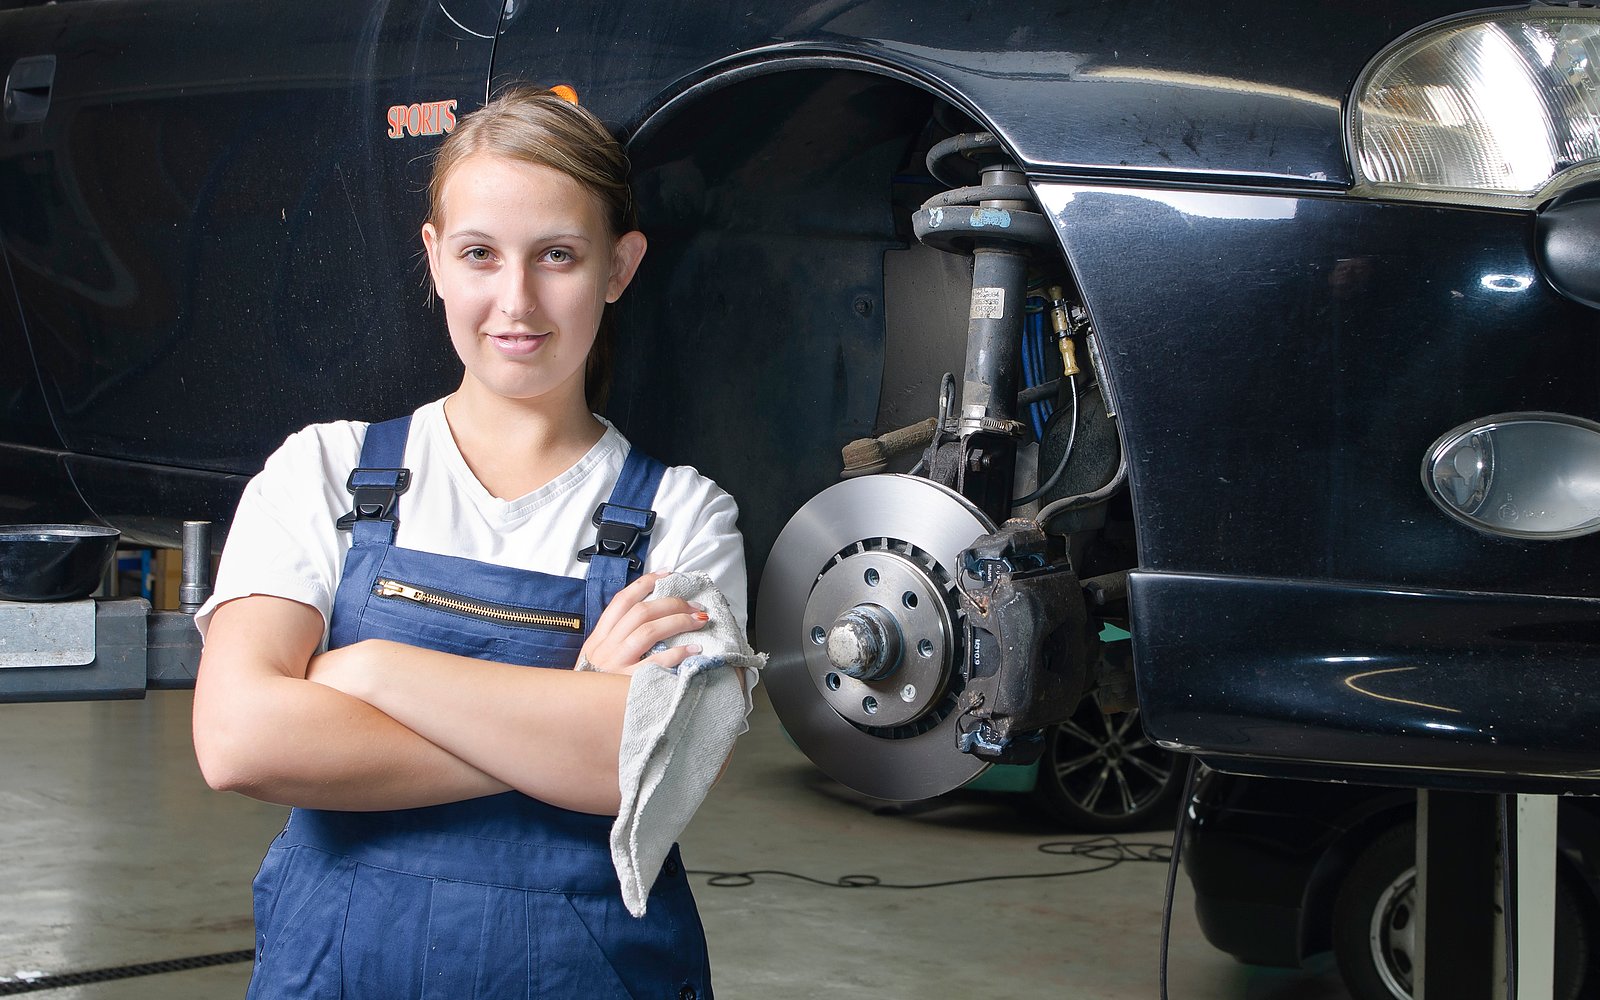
[{"x": 1500, "y": 109}]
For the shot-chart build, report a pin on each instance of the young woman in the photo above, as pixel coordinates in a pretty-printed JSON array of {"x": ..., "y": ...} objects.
[{"x": 385, "y": 590}]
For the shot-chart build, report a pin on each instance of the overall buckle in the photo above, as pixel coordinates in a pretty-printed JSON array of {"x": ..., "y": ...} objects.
[
  {"x": 373, "y": 501},
  {"x": 618, "y": 538}
]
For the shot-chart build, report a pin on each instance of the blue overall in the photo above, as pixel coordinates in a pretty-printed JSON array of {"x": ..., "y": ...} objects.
[{"x": 495, "y": 897}]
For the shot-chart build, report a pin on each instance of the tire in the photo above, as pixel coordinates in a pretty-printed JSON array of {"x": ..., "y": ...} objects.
[
  {"x": 1101, "y": 774},
  {"x": 1375, "y": 918}
]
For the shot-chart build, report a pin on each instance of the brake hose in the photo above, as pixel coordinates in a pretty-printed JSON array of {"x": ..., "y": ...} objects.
[
  {"x": 1066, "y": 453},
  {"x": 1105, "y": 492}
]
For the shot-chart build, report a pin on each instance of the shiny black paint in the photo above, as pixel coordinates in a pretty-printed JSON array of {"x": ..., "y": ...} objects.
[
  {"x": 22, "y": 411},
  {"x": 35, "y": 487},
  {"x": 213, "y": 243},
  {"x": 1277, "y": 403},
  {"x": 1566, "y": 247},
  {"x": 1240, "y": 89},
  {"x": 199, "y": 281},
  {"x": 140, "y": 497},
  {"x": 1414, "y": 680},
  {"x": 1282, "y": 364}
]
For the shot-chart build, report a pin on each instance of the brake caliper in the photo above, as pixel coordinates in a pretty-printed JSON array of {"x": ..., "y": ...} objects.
[{"x": 1026, "y": 629}]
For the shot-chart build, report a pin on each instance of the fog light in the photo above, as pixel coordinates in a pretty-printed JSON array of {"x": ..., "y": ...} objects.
[{"x": 1519, "y": 475}]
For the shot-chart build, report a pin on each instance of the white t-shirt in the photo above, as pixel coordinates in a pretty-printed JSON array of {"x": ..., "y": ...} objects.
[{"x": 283, "y": 542}]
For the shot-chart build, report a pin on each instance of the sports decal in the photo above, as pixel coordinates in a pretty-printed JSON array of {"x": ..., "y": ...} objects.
[{"x": 432, "y": 118}]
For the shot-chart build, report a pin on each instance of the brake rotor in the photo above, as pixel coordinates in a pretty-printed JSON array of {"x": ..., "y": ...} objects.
[{"x": 859, "y": 615}]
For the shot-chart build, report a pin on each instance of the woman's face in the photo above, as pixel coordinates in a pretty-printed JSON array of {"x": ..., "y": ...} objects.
[{"x": 522, "y": 259}]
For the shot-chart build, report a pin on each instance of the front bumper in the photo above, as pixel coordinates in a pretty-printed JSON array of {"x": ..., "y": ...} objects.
[{"x": 1424, "y": 687}]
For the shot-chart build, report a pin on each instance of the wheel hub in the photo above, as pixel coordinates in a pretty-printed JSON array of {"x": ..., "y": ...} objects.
[
  {"x": 1393, "y": 933},
  {"x": 886, "y": 659},
  {"x": 857, "y": 611},
  {"x": 864, "y": 643}
]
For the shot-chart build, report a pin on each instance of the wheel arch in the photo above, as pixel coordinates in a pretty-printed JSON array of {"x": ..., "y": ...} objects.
[
  {"x": 776, "y": 189},
  {"x": 754, "y": 64}
]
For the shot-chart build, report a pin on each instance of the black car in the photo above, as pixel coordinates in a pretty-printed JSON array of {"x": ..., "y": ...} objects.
[
  {"x": 1268, "y": 331},
  {"x": 1284, "y": 870}
]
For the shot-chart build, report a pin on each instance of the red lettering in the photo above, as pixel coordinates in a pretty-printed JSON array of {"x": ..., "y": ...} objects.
[{"x": 430, "y": 118}]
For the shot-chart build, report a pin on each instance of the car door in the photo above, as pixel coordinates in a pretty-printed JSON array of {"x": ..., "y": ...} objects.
[{"x": 210, "y": 215}]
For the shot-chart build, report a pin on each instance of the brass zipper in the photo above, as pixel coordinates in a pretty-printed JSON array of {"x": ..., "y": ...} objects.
[{"x": 529, "y": 617}]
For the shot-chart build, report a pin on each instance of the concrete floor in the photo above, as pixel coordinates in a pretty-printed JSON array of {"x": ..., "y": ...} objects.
[{"x": 113, "y": 852}]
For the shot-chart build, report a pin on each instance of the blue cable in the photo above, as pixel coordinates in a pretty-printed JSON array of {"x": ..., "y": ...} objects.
[
  {"x": 1030, "y": 376},
  {"x": 1035, "y": 363},
  {"x": 1038, "y": 373},
  {"x": 1041, "y": 369},
  {"x": 1038, "y": 353}
]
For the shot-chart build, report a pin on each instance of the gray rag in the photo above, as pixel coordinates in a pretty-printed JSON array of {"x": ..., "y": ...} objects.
[{"x": 677, "y": 731}]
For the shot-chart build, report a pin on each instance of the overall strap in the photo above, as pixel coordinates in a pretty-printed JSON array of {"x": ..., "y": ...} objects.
[
  {"x": 378, "y": 482},
  {"x": 623, "y": 525}
]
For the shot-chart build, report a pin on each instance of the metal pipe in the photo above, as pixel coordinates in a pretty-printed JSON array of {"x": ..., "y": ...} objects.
[
  {"x": 989, "y": 389},
  {"x": 195, "y": 586}
]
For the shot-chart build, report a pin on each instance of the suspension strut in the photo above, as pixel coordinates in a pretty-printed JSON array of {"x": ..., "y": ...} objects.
[
  {"x": 1023, "y": 617},
  {"x": 997, "y": 222}
]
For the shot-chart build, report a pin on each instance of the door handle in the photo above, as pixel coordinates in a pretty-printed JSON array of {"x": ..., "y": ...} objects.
[{"x": 28, "y": 87}]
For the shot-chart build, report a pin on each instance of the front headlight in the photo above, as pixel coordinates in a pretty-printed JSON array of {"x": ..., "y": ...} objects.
[{"x": 1497, "y": 109}]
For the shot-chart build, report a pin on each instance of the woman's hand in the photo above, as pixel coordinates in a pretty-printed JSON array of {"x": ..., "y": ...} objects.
[{"x": 631, "y": 626}]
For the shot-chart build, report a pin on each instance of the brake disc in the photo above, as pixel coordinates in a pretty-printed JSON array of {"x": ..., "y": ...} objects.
[{"x": 859, "y": 615}]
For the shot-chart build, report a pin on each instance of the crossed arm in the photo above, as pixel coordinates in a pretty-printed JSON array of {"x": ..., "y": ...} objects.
[{"x": 383, "y": 725}]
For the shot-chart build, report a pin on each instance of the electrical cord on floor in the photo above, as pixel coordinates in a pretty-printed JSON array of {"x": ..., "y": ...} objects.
[
  {"x": 1107, "y": 851},
  {"x": 1174, "y": 854},
  {"x": 40, "y": 982},
  {"x": 1508, "y": 891}
]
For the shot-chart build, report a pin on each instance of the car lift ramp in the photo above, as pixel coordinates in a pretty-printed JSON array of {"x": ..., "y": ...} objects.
[{"x": 1466, "y": 949}]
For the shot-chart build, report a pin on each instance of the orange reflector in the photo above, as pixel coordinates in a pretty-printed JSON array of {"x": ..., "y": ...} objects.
[{"x": 565, "y": 92}]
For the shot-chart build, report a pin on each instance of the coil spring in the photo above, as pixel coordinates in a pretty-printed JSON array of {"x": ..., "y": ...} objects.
[{"x": 1000, "y": 209}]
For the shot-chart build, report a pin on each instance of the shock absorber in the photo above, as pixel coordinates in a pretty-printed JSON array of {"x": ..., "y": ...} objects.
[
  {"x": 1023, "y": 617},
  {"x": 997, "y": 222}
]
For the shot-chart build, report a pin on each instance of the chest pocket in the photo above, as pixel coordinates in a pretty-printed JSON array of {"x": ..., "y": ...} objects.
[{"x": 472, "y": 609}]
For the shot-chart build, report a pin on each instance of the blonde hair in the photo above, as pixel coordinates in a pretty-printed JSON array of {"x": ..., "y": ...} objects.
[{"x": 534, "y": 125}]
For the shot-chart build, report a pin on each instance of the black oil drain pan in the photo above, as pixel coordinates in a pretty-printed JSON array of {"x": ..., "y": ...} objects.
[{"x": 53, "y": 562}]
